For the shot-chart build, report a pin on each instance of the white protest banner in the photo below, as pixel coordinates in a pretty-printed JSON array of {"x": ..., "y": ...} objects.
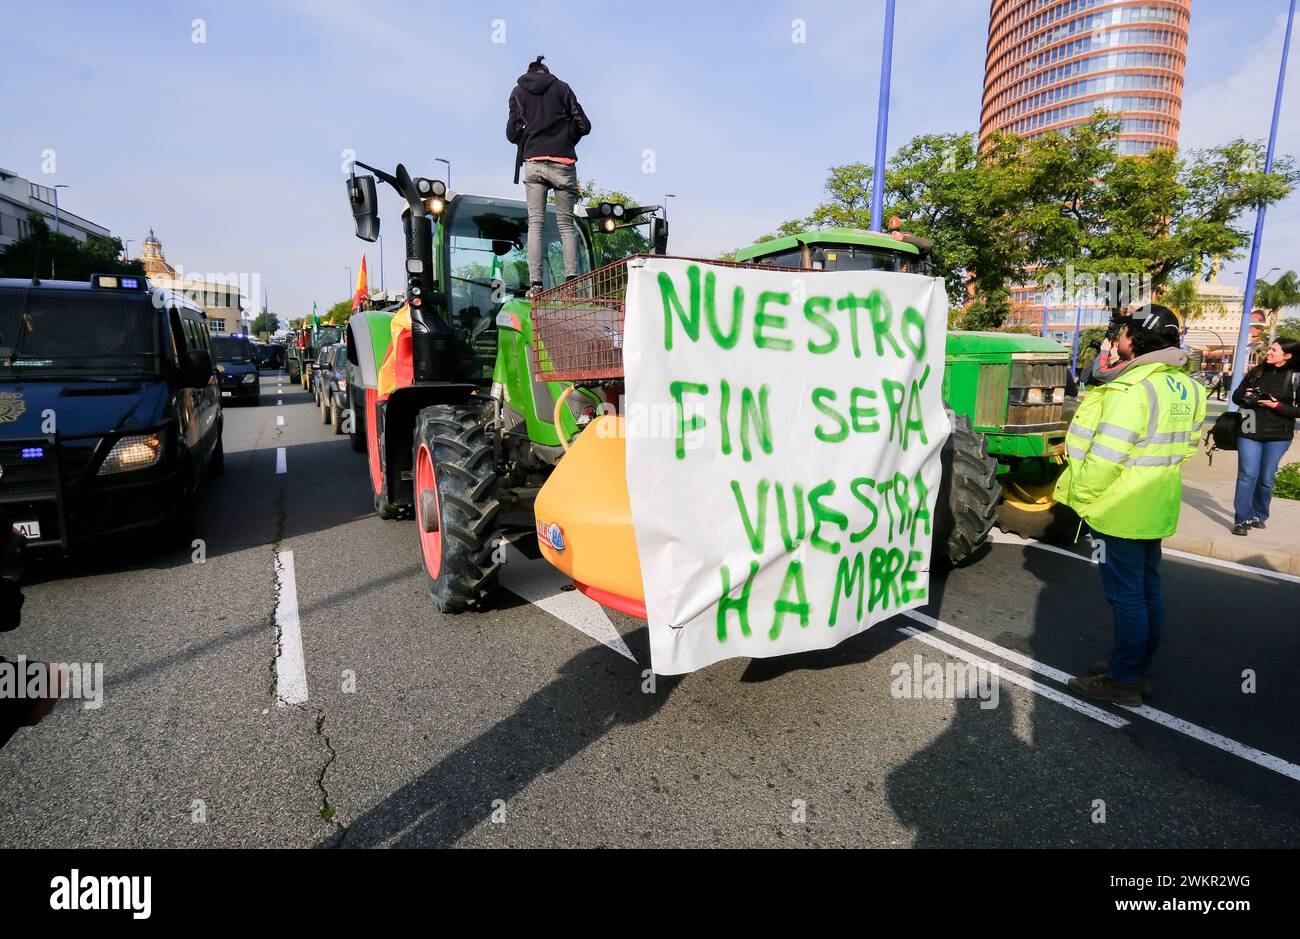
[{"x": 790, "y": 503}]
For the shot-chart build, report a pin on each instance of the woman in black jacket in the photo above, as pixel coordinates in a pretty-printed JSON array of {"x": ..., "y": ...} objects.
[{"x": 1269, "y": 404}]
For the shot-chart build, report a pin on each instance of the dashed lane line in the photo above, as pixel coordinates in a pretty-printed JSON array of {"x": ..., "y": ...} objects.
[{"x": 290, "y": 667}]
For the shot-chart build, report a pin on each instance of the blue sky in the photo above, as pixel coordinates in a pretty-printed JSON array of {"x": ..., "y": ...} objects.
[{"x": 232, "y": 148}]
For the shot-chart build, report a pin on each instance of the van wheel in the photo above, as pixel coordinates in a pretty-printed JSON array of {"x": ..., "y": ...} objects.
[
  {"x": 324, "y": 408},
  {"x": 336, "y": 419},
  {"x": 456, "y": 507}
]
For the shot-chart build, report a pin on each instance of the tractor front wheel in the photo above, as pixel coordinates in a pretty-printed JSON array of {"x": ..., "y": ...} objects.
[
  {"x": 456, "y": 507},
  {"x": 968, "y": 494},
  {"x": 1028, "y": 507}
]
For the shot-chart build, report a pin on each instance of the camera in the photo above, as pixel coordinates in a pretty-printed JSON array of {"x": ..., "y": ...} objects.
[{"x": 1252, "y": 395}]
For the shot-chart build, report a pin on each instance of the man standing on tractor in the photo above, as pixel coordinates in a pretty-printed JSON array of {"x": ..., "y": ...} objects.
[
  {"x": 1125, "y": 448},
  {"x": 545, "y": 123}
]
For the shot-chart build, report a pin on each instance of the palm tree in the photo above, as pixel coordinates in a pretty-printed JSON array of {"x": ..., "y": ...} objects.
[
  {"x": 1274, "y": 297},
  {"x": 1189, "y": 303}
]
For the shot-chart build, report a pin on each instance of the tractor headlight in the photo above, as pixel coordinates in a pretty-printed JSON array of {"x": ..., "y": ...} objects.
[
  {"x": 138, "y": 451},
  {"x": 250, "y": 378},
  {"x": 609, "y": 224},
  {"x": 1034, "y": 396}
]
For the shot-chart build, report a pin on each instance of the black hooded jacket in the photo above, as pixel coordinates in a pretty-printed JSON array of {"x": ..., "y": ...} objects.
[{"x": 545, "y": 113}]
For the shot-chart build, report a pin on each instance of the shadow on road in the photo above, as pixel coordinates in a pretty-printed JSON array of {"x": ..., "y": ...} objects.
[{"x": 586, "y": 699}]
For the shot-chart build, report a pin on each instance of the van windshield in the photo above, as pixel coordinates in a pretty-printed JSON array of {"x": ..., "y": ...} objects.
[
  {"x": 231, "y": 349},
  {"x": 82, "y": 334}
]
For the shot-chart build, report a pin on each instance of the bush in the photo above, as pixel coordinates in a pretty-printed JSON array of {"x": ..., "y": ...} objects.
[{"x": 1287, "y": 484}]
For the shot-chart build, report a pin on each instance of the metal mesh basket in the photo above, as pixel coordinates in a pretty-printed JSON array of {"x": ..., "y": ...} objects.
[{"x": 578, "y": 326}]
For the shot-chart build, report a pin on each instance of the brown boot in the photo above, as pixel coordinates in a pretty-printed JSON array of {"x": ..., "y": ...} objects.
[
  {"x": 1101, "y": 688},
  {"x": 1144, "y": 686}
]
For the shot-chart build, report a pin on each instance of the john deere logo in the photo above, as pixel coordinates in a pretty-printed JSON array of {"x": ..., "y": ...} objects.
[{"x": 12, "y": 406}]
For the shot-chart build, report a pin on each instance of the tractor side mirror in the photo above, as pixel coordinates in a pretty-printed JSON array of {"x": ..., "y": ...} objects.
[
  {"x": 658, "y": 235},
  {"x": 365, "y": 206}
]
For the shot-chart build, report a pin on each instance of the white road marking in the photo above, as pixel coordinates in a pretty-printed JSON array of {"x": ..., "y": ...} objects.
[
  {"x": 279, "y": 402},
  {"x": 543, "y": 586},
  {"x": 1001, "y": 537},
  {"x": 279, "y": 420},
  {"x": 1196, "y": 732},
  {"x": 290, "y": 668},
  {"x": 281, "y": 461},
  {"x": 1073, "y": 703}
]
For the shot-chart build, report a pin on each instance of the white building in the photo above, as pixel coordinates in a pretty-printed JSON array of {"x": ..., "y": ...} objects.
[
  {"x": 20, "y": 197},
  {"x": 221, "y": 301}
]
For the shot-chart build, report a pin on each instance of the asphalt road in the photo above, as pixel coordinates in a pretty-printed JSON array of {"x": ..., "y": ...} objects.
[{"x": 512, "y": 728}]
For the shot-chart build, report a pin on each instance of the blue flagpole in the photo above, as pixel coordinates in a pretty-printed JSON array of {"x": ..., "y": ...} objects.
[
  {"x": 1248, "y": 301},
  {"x": 882, "y": 121}
]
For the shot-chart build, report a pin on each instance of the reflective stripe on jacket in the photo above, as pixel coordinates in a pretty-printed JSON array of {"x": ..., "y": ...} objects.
[{"x": 1124, "y": 451}]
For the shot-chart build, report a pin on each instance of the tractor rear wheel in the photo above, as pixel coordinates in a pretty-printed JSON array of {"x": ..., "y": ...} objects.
[
  {"x": 968, "y": 494},
  {"x": 456, "y": 507},
  {"x": 1028, "y": 508}
]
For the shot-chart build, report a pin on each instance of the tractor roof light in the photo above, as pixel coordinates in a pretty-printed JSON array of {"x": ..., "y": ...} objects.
[
  {"x": 606, "y": 209},
  {"x": 609, "y": 224},
  {"x": 618, "y": 210},
  {"x": 435, "y": 205}
]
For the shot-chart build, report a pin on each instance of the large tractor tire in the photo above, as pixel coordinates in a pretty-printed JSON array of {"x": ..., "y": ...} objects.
[
  {"x": 968, "y": 495},
  {"x": 456, "y": 507},
  {"x": 1028, "y": 508}
]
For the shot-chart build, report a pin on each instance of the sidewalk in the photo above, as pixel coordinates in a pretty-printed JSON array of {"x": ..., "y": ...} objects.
[{"x": 1205, "y": 524}]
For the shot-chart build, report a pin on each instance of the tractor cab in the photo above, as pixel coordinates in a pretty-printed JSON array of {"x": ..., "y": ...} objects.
[{"x": 844, "y": 249}]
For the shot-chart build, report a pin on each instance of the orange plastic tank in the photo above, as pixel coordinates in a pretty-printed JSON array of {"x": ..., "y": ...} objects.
[{"x": 584, "y": 518}]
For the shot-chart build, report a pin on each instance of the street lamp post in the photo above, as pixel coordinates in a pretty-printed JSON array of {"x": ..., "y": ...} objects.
[
  {"x": 381, "y": 261},
  {"x": 351, "y": 283},
  {"x": 1248, "y": 301},
  {"x": 667, "y": 196},
  {"x": 448, "y": 162},
  {"x": 882, "y": 120},
  {"x": 57, "y": 227}
]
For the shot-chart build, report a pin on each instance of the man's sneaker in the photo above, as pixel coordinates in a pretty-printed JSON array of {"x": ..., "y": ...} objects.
[
  {"x": 1144, "y": 686},
  {"x": 1241, "y": 529},
  {"x": 1256, "y": 523},
  {"x": 1101, "y": 688}
]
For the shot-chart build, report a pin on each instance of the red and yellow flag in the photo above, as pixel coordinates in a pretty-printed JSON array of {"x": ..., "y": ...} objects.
[{"x": 362, "y": 292}]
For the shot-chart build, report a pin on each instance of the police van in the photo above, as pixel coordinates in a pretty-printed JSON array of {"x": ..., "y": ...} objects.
[{"x": 110, "y": 409}]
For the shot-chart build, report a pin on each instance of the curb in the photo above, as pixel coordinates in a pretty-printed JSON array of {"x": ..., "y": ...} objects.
[{"x": 1238, "y": 550}]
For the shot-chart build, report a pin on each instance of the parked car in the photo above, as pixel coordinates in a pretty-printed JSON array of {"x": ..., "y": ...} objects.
[
  {"x": 238, "y": 369},
  {"x": 110, "y": 414},
  {"x": 331, "y": 379}
]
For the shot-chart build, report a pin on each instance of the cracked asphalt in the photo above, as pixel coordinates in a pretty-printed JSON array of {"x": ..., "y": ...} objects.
[{"x": 511, "y": 728}]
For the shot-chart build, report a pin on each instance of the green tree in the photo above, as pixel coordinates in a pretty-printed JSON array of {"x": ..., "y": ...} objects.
[
  {"x": 1288, "y": 329},
  {"x": 1149, "y": 219},
  {"x": 1273, "y": 298},
  {"x": 266, "y": 322},
  {"x": 45, "y": 254},
  {"x": 338, "y": 313}
]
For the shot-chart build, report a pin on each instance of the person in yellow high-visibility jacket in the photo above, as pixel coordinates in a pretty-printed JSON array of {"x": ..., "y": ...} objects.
[{"x": 1123, "y": 476}]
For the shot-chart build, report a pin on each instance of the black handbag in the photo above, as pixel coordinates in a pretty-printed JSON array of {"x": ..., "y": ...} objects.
[{"x": 1224, "y": 432}]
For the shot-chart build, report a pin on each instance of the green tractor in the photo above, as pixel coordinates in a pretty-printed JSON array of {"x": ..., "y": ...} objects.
[
  {"x": 1007, "y": 393},
  {"x": 458, "y": 433}
]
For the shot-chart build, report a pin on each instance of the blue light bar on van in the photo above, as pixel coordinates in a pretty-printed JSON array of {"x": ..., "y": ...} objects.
[
  {"x": 116, "y": 282},
  {"x": 33, "y": 453}
]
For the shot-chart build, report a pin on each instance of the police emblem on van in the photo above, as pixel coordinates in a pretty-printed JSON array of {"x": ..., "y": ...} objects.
[{"x": 12, "y": 406}]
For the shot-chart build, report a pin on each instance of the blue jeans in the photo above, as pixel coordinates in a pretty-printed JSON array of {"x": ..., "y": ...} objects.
[
  {"x": 1130, "y": 579},
  {"x": 1257, "y": 463}
]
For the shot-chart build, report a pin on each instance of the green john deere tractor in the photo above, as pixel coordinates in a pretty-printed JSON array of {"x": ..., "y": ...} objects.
[
  {"x": 441, "y": 390},
  {"x": 1006, "y": 391}
]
